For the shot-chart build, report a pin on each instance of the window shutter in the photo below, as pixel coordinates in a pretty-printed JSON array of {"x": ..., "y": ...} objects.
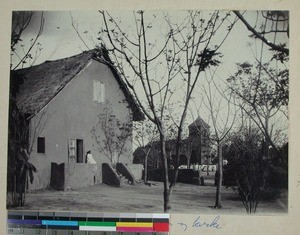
[
  {"x": 102, "y": 92},
  {"x": 99, "y": 91},
  {"x": 95, "y": 91},
  {"x": 72, "y": 148}
]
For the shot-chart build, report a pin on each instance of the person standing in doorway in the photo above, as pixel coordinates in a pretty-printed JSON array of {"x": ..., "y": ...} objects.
[{"x": 89, "y": 158}]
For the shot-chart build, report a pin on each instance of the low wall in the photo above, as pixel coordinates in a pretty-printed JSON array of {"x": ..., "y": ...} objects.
[
  {"x": 155, "y": 175},
  {"x": 79, "y": 175},
  {"x": 42, "y": 176},
  {"x": 184, "y": 175},
  {"x": 136, "y": 170},
  {"x": 75, "y": 175}
]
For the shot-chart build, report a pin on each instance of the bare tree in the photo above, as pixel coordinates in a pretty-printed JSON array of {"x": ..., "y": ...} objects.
[
  {"x": 145, "y": 133},
  {"x": 261, "y": 98},
  {"x": 188, "y": 48},
  {"x": 116, "y": 134},
  {"x": 25, "y": 52},
  {"x": 222, "y": 113},
  {"x": 262, "y": 87}
]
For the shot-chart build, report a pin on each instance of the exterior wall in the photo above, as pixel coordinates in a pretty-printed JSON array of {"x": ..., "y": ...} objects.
[
  {"x": 79, "y": 175},
  {"x": 71, "y": 115},
  {"x": 42, "y": 177},
  {"x": 136, "y": 170},
  {"x": 200, "y": 143}
]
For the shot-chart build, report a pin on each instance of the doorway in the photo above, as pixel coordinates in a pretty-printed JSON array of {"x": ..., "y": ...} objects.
[{"x": 79, "y": 151}]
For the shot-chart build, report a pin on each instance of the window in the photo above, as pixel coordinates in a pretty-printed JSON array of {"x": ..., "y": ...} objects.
[
  {"x": 41, "y": 145},
  {"x": 99, "y": 92}
]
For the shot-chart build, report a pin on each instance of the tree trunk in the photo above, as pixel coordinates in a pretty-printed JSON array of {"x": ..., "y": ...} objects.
[
  {"x": 220, "y": 178},
  {"x": 207, "y": 170},
  {"x": 167, "y": 191},
  {"x": 146, "y": 168},
  {"x": 177, "y": 153},
  {"x": 167, "y": 200}
]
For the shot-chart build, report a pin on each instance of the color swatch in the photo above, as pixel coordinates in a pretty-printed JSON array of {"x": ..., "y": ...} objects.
[{"x": 108, "y": 222}]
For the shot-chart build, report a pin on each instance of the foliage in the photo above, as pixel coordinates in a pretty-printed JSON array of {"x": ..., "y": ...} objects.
[
  {"x": 18, "y": 165},
  {"x": 252, "y": 172},
  {"x": 262, "y": 92},
  {"x": 256, "y": 159},
  {"x": 19, "y": 168},
  {"x": 19, "y": 171},
  {"x": 261, "y": 85}
]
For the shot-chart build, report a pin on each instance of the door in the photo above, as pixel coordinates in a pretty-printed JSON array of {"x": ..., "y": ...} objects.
[
  {"x": 79, "y": 148},
  {"x": 57, "y": 180}
]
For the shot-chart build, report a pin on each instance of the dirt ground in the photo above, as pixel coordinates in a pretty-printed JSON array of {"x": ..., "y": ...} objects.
[{"x": 141, "y": 198}]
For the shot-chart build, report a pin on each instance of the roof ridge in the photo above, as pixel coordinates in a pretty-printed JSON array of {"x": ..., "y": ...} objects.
[{"x": 60, "y": 59}]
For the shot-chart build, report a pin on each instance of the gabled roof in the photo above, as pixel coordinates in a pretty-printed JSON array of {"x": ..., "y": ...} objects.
[
  {"x": 36, "y": 86},
  {"x": 199, "y": 122}
]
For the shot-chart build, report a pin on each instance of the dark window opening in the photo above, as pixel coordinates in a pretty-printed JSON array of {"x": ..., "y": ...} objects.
[
  {"x": 41, "y": 145},
  {"x": 79, "y": 147}
]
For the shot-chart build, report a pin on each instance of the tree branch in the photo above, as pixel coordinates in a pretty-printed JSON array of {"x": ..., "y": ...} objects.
[{"x": 258, "y": 35}]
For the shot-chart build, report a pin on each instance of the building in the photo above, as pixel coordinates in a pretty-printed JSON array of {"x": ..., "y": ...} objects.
[
  {"x": 195, "y": 149},
  {"x": 200, "y": 142},
  {"x": 66, "y": 105}
]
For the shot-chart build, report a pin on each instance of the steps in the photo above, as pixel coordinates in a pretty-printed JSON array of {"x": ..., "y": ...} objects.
[
  {"x": 123, "y": 171},
  {"x": 117, "y": 177},
  {"x": 110, "y": 176}
]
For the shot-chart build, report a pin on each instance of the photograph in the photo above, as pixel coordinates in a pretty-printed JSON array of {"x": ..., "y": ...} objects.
[{"x": 149, "y": 111}]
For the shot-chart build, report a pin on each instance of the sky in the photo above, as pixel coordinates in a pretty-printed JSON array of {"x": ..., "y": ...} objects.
[{"x": 60, "y": 40}]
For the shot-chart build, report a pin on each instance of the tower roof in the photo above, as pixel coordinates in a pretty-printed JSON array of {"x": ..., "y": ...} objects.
[{"x": 199, "y": 122}]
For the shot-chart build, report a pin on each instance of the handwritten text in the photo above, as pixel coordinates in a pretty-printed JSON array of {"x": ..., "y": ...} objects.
[{"x": 202, "y": 223}]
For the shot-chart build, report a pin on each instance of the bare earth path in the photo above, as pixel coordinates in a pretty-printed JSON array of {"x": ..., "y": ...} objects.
[{"x": 144, "y": 199}]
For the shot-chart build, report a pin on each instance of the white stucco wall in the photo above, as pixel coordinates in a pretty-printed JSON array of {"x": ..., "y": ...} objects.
[
  {"x": 136, "y": 170},
  {"x": 79, "y": 175}
]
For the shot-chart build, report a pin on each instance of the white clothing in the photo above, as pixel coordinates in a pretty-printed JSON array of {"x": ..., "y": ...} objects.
[{"x": 90, "y": 159}]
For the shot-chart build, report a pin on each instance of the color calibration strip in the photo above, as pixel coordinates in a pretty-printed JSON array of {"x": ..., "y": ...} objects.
[{"x": 106, "y": 222}]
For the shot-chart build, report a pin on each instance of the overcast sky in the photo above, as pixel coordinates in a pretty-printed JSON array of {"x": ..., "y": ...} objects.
[{"x": 60, "y": 40}]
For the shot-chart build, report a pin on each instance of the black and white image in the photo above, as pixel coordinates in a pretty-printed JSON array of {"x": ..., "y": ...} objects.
[{"x": 149, "y": 111}]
